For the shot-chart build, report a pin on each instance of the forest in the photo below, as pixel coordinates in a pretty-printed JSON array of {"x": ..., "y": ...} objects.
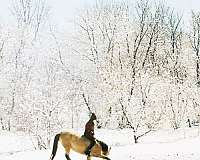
[{"x": 136, "y": 65}]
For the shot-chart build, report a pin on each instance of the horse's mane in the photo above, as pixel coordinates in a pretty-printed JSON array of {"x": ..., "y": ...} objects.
[{"x": 104, "y": 146}]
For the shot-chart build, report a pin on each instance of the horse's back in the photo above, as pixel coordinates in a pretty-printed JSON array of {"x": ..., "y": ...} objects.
[
  {"x": 65, "y": 138},
  {"x": 74, "y": 141}
]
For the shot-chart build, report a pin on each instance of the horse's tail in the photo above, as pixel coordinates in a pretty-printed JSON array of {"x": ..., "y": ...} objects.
[{"x": 55, "y": 146}]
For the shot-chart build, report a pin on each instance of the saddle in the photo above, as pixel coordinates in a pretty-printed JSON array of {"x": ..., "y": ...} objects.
[{"x": 88, "y": 138}]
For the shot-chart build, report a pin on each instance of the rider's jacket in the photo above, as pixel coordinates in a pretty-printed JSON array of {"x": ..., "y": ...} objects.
[{"x": 89, "y": 129}]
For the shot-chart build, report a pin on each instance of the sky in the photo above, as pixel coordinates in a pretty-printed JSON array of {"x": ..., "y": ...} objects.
[
  {"x": 64, "y": 11},
  {"x": 61, "y": 11}
]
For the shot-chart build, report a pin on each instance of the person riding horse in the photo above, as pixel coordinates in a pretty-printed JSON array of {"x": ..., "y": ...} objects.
[
  {"x": 89, "y": 133},
  {"x": 79, "y": 144}
]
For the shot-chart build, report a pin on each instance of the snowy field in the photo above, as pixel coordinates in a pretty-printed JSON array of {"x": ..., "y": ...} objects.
[{"x": 182, "y": 144}]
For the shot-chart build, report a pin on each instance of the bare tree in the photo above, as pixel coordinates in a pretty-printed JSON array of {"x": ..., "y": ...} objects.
[
  {"x": 30, "y": 14},
  {"x": 177, "y": 106},
  {"x": 155, "y": 35},
  {"x": 175, "y": 48},
  {"x": 142, "y": 28},
  {"x": 194, "y": 37},
  {"x": 140, "y": 119}
]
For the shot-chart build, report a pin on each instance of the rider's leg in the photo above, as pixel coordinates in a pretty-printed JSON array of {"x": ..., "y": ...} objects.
[{"x": 88, "y": 150}]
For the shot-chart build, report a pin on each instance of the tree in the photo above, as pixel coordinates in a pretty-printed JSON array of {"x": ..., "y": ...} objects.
[
  {"x": 19, "y": 56},
  {"x": 194, "y": 37}
]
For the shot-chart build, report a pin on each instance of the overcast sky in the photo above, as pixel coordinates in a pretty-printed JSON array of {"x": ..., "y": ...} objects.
[{"x": 63, "y": 11}]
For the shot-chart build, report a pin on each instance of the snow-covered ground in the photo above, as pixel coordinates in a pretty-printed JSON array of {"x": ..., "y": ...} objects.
[{"x": 182, "y": 144}]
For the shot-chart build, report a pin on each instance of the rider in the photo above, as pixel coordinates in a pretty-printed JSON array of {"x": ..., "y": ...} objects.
[{"x": 89, "y": 133}]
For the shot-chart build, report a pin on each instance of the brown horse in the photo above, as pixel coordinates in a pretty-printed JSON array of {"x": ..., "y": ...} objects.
[{"x": 79, "y": 144}]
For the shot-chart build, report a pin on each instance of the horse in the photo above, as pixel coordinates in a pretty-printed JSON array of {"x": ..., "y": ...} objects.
[{"x": 71, "y": 141}]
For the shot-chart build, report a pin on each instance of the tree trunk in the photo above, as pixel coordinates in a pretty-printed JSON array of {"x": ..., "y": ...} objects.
[{"x": 135, "y": 139}]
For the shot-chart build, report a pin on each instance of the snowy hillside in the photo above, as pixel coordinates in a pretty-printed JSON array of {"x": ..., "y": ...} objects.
[{"x": 162, "y": 145}]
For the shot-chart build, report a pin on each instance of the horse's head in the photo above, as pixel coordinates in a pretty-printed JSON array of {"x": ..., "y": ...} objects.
[
  {"x": 106, "y": 152},
  {"x": 105, "y": 148}
]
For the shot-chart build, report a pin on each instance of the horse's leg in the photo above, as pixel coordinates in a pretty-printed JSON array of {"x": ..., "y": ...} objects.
[
  {"x": 67, "y": 156},
  {"x": 107, "y": 158},
  {"x": 104, "y": 157},
  {"x": 89, "y": 158},
  {"x": 67, "y": 150}
]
